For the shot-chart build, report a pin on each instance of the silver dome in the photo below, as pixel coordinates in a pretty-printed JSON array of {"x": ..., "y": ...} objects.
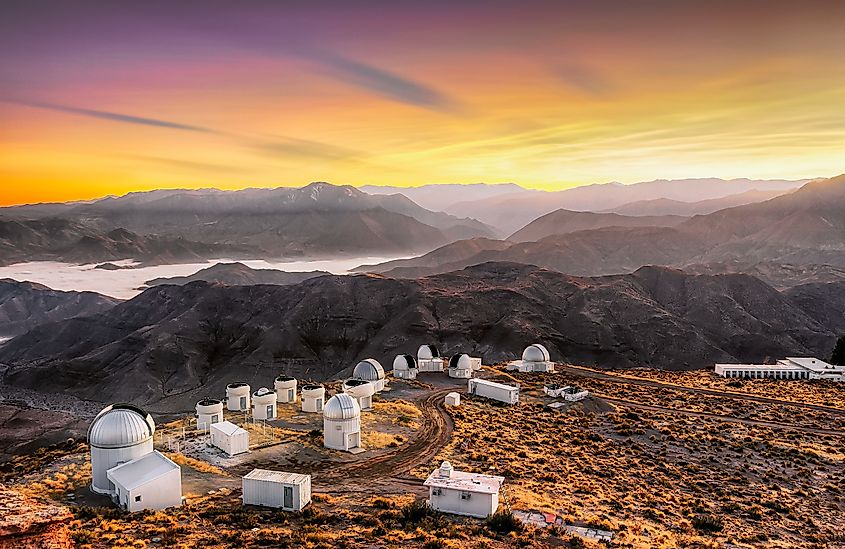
[
  {"x": 535, "y": 353},
  {"x": 404, "y": 362},
  {"x": 427, "y": 352},
  {"x": 460, "y": 362},
  {"x": 120, "y": 426},
  {"x": 369, "y": 369},
  {"x": 341, "y": 406}
]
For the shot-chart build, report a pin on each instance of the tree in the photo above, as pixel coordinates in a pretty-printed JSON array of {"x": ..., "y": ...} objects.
[{"x": 838, "y": 356}]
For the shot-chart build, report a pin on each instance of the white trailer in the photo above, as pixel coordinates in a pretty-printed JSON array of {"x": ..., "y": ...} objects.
[
  {"x": 287, "y": 491},
  {"x": 229, "y": 437},
  {"x": 508, "y": 394}
]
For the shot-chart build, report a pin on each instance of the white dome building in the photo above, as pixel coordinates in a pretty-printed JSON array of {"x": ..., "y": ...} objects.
[
  {"x": 535, "y": 358},
  {"x": 342, "y": 423},
  {"x": 209, "y": 411},
  {"x": 313, "y": 398},
  {"x": 237, "y": 396},
  {"x": 460, "y": 366},
  {"x": 285, "y": 389},
  {"x": 120, "y": 433},
  {"x": 428, "y": 359},
  {"x": 370, "y": 369},
  {"x": 405, "y": 367},
  {"x": 362, "y": 391},
  {"x": 264, "y": 404}
]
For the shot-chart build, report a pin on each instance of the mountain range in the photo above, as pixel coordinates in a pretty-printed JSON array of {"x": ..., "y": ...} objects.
[
  {"x": 238, "y": 274},
  {"x": 172, "y": 345},
  {"x": 805, "y": 227}
]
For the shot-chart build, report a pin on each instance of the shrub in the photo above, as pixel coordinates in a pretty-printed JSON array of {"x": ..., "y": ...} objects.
[
  {"x": 416, "y": 511},
  {"x": 707, "y": 523},
  {"x": 503, "y": 522}
]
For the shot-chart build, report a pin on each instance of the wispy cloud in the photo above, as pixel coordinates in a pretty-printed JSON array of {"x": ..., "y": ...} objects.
[
  {"x": 291, "y": 146},
  {"x": 585, "y": 79},
  {"x": 384, "y": 82},
  {"x": 112, "y": 116}
]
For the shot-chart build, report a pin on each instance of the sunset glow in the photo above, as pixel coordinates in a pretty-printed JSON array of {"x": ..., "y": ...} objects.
[{"x": 107, "y": 98}]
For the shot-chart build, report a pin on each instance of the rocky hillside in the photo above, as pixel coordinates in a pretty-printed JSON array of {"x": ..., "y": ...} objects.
[
  {"x": 174, "y": 344},
  {"x": 25, "y": 305},
  {"x": 238, "y": 274},
  {"x": 565, "y": 221}
]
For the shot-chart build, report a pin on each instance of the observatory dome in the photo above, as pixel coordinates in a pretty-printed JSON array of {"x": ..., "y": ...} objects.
[
  {"x": 341, "y": 406},
  {"x": 120, "y": 426},
  {"x": 460, "y": 362},
  {"x": 369, "y": 369},
  {"x": 404, "y": 362},
  {"x": 427, "y": 352},
  {"x": 535, "y": 353}
]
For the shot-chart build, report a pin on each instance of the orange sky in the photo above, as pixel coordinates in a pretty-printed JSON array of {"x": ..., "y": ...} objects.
[{"x": 100, "y": 98}]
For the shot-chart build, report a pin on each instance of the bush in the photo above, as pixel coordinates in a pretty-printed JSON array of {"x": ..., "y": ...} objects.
[
  {"x": 503, "y": 522},
  {"x": 707, "y": 523},
  {"x": 417, "y": 511}
]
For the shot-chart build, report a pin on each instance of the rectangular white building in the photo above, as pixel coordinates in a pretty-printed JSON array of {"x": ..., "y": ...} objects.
[
  {"x": 229, "y": 437},
  {"x": 149, "y": 482},
  {"x": 788, "y": 368},
  {"x": 461, "y": 493},
  {"x": 287, "y": 491},
  {"x": 508, "y": 394}
]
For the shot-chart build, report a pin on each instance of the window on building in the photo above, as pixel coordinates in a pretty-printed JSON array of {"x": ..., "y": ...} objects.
[
  {"x": 436, "y": 491},
  {"x": 465, "y": 495},
  {"x": 137, "y": 498}
]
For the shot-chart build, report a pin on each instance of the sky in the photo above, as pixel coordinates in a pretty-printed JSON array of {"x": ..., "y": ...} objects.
[{"x": 100, "y": 98}]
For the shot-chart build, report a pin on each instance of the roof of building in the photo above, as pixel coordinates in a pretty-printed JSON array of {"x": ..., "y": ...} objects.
[
  {"x": 120, "y": 426},
  {"x": 341, "y": 406},
  {"x": 404, "y": 362},
  {"x": 138, "y": 472},
  {"x": 227, "y": 428},
  {"x": 814, "y": 364},
  {"x": 427, "y": 352},
  {"x": 369, "y": 369},
  {"x": 495, "y": 384},
  {"x": 466, "y": 482},
  {"x": 277, "y": 476},
  {"x": 535, "y": 353},
  {"x": 460, "y": 361}
]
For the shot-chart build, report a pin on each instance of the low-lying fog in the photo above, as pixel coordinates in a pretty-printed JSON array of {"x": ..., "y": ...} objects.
[{"x": 127, "y": 283}]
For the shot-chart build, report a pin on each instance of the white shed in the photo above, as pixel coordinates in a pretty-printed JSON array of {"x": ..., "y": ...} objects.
[
  {"x": 237, "y": 397},
  {"x": 461, "y": 366},
  {"x": 405, "y": 367},
  {"x": 342, "y": 423},
  {"x": 285, "y": 389},
  {"x": 287, "y": 491},
  {"x": 452, "y": 399},
  {"x": 230, "y": 438},
  {"x": 429, "y": 359},
  {"x": 118, "y": 434},
  {"x": 264, "y": 404},
  {"x": 370, "y": 369},
  {"x": 209, "y": 410},
  {"x": 461, "y": 493},
  {"x": 149, "y": 482},
  {"x": 362, "y": 391},
  {"x": 508, "y": 394},
  {"x": 313, "y": 398}
]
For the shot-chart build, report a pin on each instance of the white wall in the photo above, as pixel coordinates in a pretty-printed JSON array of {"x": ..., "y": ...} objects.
[
  {"x": 237, "y": 443},
  {"x": 103, "y": 459},
  {"x": 450, "y": 501},
  {"x": 336, "y": 433},
  {"x": 271, "y": 494},
  {"x": 160, "y": 493}
]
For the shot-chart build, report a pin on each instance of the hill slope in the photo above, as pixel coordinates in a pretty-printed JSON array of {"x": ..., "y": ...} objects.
[
  {"x": 238, "y": 274},
  {"x": 174, "y": 344},
  {"x": 566, "y": 221}
]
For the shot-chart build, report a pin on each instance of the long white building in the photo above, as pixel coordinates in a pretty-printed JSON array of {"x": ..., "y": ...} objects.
[
  {"x": 788, "y": 368},
  {"x": 462, "y": 493}
]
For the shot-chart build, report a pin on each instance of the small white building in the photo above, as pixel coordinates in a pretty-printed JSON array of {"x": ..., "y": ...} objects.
[
  {"x": 569, "y": 393},
  {"x": 209, "y": 410},
  {"x": 230, "y": 438},
  {"x": 118, "y": 434},
  {"x": 342, "y": 423},
  {"x": 405, "y": 367},
  {"x": 313, "y": 398},
  {"x": 788, "y": 368},
  {"x": 362, "y": 391},
  {"x": 286, "y": 491},
  {"x": 461, "y": 366},
  {"x": 535, "y": 358},
  {"x": 461, "y": 493},
  {"x": 285, "y": 389},
  {"x": 508, "y": 394},
  {"x": 264, "y": 404},
  {"x": 237, "y": 397},
  {"x": 452, "y": 399},
  {"x": 370, "y": 369},
  {"x": 429, "y": 359},
  {"x": 149, "y": 482}
]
